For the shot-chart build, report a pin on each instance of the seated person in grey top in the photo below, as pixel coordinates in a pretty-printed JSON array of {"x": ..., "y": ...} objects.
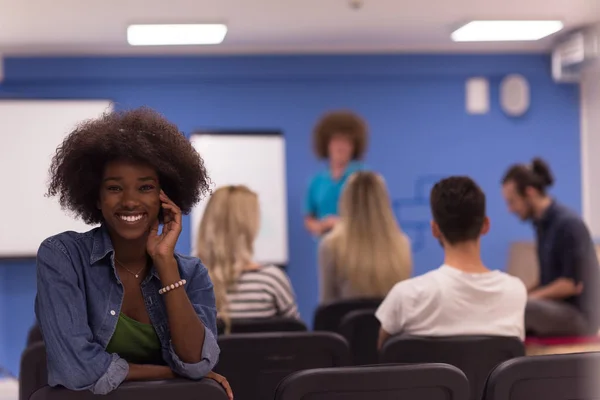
[
  {"x": 244, "y": 289},
  {"x": 118, "y": 303},
  {"x": 565, "y": 303},
  {"x": 366, "y": 253}
]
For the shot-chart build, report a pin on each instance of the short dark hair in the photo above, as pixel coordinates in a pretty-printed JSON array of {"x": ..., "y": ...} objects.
[
  {"x": 342, "y": 122},
  {"x": 140, "y": 135},
  {"x": 458, "y": 207},
  {"x": 537, "y": 176}
]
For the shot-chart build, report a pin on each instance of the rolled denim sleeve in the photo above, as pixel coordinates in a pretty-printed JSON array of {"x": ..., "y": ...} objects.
[
  {"x": 74, "y": 360},
  {"x": 210, "y": 356},
  {"x": 115, "y": 375},
  {"x": 200, "y": 292}
]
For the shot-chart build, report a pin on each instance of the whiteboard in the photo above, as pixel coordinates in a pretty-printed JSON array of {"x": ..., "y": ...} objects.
[
  {"x": 257, "y": 161},
  {"x": 31, "y": 131}
]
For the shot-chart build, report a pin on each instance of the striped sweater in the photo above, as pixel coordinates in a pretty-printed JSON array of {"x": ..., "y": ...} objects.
[{"x": 264, "y": 293}]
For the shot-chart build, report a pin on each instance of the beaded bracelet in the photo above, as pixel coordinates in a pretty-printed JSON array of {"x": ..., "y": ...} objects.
[{"x": 172, "y": 286}]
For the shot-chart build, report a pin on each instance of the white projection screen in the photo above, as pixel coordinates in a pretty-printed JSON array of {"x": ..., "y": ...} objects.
[
  {"x": 257, "y": 160},
  {"x": 31, "y": 131}
]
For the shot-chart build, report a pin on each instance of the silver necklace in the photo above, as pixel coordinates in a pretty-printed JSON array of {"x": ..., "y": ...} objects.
[{"x": 130, "y": 271}]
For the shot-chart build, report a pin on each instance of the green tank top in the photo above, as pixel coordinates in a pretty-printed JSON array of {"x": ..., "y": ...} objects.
[{"x": 135, "y": 342}]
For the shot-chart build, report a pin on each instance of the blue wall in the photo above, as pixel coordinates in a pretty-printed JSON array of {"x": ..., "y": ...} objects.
[{"x": 414, "y": 105}]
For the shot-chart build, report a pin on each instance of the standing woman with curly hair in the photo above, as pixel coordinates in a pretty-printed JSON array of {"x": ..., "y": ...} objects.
[
  {"x": 340, "y": 137},
  {"x": 117, "y": 303}
]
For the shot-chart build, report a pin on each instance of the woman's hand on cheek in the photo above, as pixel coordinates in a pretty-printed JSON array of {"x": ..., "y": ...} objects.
[{"x": 162, "y": 246}]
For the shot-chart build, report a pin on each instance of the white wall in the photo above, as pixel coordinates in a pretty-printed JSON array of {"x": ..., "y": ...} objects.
[
  {"x": 32, "y": 130},
  {"x": 590, "y": 147}
]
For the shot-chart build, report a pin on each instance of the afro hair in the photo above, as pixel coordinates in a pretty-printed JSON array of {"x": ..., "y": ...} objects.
[
  {"x": 340, "y": 122},
  {"x": 140, "y": 135}
]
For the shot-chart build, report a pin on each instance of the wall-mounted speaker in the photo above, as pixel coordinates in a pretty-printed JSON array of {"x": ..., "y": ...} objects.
[
  {"x": 514, "y": 95},
  {"x": 477, "y": 95}
]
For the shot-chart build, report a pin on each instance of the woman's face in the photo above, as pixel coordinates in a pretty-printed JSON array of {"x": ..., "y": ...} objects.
[
  {"x": 129, "y": 198},
  {"x": 340, "y": 149}
]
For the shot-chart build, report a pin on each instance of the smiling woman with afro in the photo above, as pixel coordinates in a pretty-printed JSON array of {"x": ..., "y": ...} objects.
[{"x": 118, "y": 303}]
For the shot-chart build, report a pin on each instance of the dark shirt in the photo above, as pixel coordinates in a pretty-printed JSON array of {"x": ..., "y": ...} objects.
[{"x": 566, "y": 250}]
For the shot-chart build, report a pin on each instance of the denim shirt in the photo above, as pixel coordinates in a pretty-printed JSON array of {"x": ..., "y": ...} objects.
[{"x": 78, "y": 302}]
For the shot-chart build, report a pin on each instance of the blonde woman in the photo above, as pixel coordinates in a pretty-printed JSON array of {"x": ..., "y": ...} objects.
[
  {"x": 366, "y": 254},
  {"x": 243, "y": 288}
]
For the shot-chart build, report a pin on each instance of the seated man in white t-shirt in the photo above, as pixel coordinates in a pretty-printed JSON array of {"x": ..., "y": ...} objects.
[{"x": 462, "y": 297}]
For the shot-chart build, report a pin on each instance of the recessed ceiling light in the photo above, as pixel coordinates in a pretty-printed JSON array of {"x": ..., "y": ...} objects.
[
  {"x": 499, "y": 31},
  {"x": 176, "y": 35}
]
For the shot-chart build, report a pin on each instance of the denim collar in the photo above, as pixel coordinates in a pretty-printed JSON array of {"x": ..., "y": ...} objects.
[{"x": 102, "y": 246}]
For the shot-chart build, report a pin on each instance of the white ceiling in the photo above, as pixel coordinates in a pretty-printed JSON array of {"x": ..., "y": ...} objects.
[{"x": 64, "y": 27}]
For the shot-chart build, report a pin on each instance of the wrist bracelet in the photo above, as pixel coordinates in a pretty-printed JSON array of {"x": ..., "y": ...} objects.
[{"x": 172, "y": 286}]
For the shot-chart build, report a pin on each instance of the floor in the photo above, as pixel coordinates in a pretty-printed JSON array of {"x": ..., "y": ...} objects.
[{"x": 9, "y": 389}]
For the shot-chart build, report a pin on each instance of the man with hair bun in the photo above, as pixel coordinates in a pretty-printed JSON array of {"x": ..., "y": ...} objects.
[
  {"x": 565, "y": 302},
  {"x": 339, "y": 137}
]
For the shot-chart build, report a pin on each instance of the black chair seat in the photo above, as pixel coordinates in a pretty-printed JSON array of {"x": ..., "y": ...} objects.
[
  {"x": 328, "y": 317},
  {"x": 277, "y": 324},
  {"x": 551, "y": 377},
  {"x": 391, "y": 382},
  {"x": 33, "y": 371},
  {"x": 34, "y": 335},
  {"x": 361, "y": 329},
  {"x": 476, "y": 356},
  {"x": 180, "y": 389},
  {"x": 254, "y": 363}
]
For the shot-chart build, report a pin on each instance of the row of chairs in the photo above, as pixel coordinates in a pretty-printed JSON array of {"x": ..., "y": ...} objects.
[
  {"x": 353, "y": 319},
  {"x": 556, "y": 377},
  {"x": 254, "y": 363},
  {"x": 180, "y": 389}
]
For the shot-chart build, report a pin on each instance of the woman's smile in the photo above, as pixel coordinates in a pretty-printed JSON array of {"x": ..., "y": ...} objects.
[{"x": 132, "y": 218}]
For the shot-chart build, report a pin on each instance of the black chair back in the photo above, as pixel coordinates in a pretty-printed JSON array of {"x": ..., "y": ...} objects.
[
  {"x": 328, "y": 317},
  {"x": 258, "y": 325},
  {"x": 361, "y": 329},
  {"x": 254, "y": 363},
  {"x": 180, "y": 389},
  {"x": 414, "y": 382},
  {"x": 33, "y": 373},
  {"x": 34, "y": 335},
  {"x": 551, "y": 377},
  {"x": 476, "y": 356}
]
